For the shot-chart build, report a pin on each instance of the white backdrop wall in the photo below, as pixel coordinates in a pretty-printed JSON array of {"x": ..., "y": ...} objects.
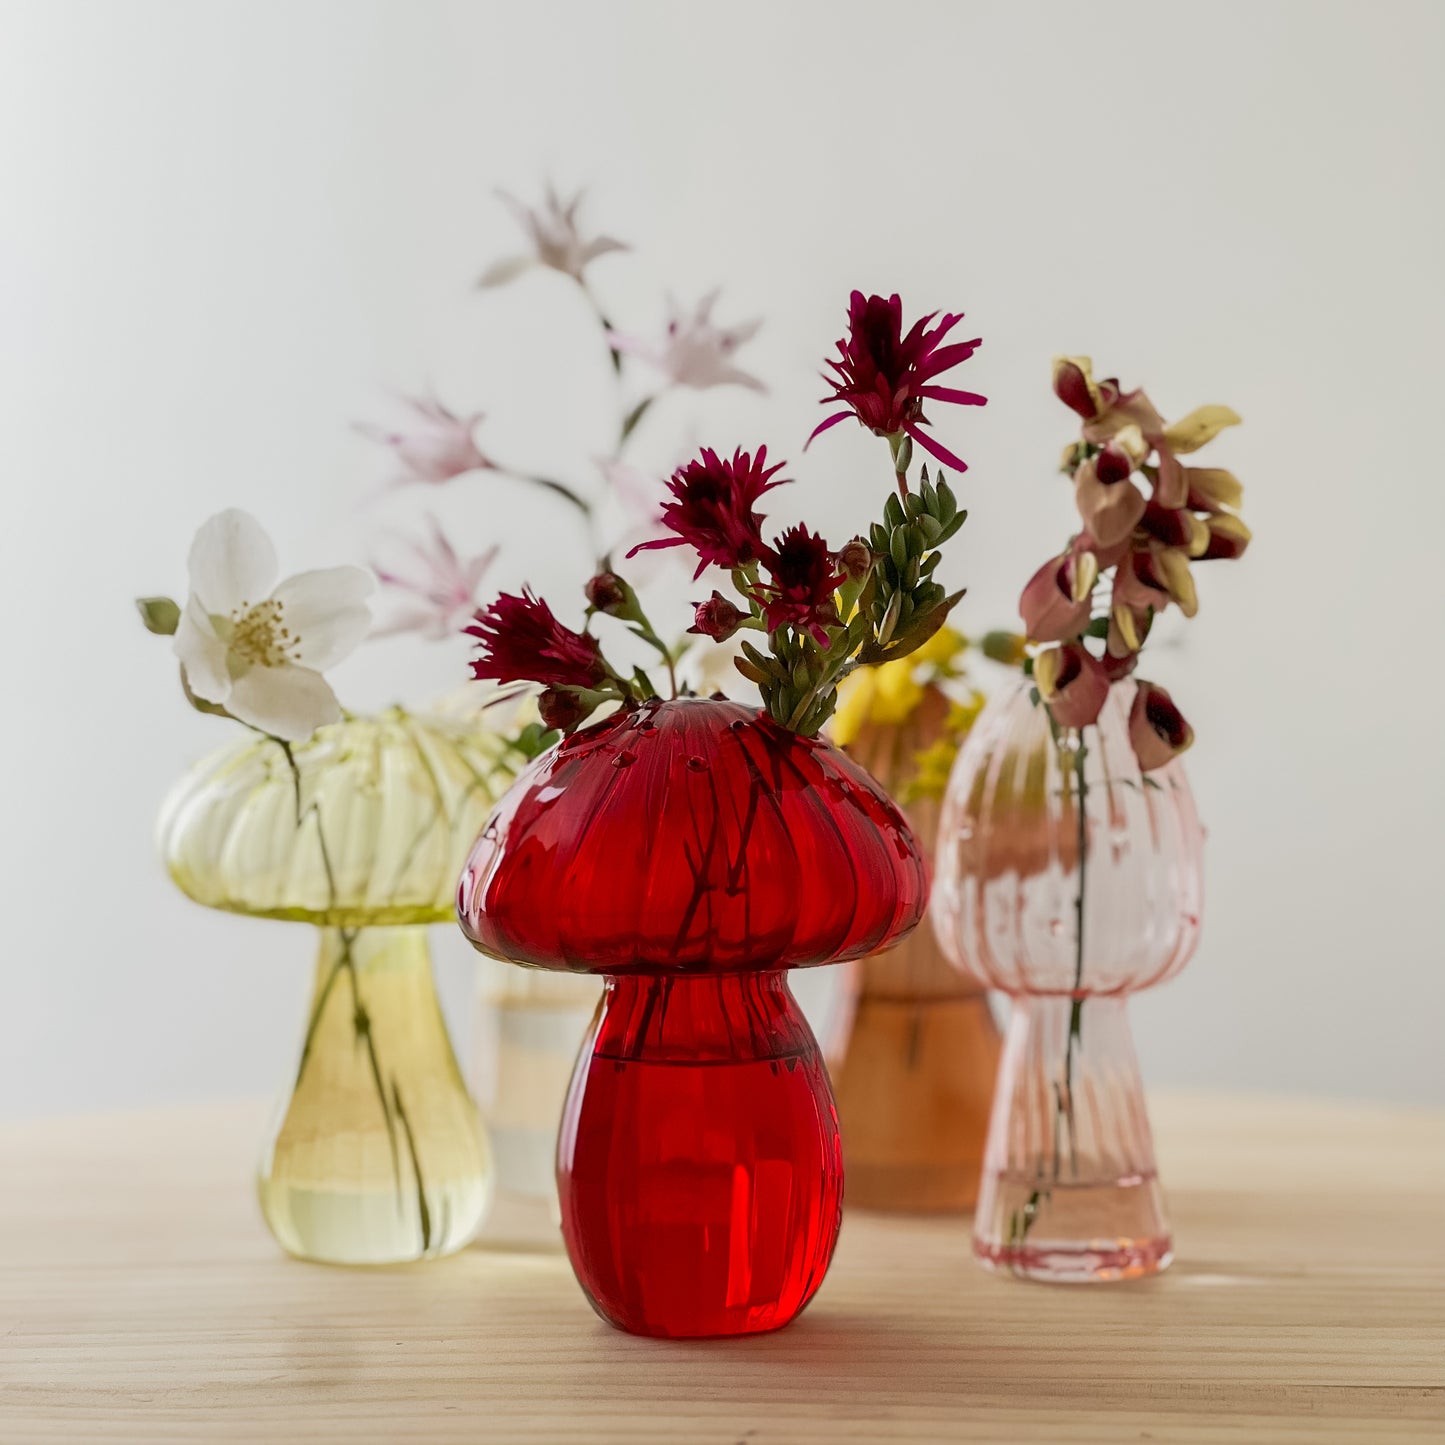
[{"x": 227, "y": 229}]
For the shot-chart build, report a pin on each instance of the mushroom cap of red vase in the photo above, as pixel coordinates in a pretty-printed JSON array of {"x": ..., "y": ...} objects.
[{"x": 691, "y": 834}]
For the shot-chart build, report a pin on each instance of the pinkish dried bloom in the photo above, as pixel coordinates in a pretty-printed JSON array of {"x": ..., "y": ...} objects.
[
  {"x": 1055, "y": 604},
  {"x": 1072, "y": 683},
  {"x": 1110, "y": 510},
  {"x": 1158, "y": 731}
]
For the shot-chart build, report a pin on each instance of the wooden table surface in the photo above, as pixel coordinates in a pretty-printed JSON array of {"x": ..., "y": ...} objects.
[{"x": 141, "y": 1300}]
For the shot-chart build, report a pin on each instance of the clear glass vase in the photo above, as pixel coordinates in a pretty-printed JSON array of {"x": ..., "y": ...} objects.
[
  {"x": 379, "y": 1155},
  {"x": 1067, "y": 879},
  {"x": 527, "y": 1029},
  {"x": 360, "y": 830}
]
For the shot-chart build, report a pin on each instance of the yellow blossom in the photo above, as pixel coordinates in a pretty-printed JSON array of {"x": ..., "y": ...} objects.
[{"x": 888, "y": 694}]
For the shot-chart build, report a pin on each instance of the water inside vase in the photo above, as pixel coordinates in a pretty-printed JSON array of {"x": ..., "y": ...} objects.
[{"x": 701, "y": 1195}]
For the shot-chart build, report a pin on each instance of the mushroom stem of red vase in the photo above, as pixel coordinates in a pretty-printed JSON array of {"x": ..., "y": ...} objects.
[{"x": 699, "y": 1167}]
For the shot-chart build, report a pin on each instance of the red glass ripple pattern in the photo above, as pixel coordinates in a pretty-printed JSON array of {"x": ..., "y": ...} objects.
[
  {"x": 693, "y": 851},
  {"x": 691, "y": 834},
  {"x": 699, "y": 1167}
]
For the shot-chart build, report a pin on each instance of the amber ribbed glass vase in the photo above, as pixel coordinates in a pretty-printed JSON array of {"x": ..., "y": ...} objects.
[
  {"x": 1067, "y": 879},
  {"x": 920, "y": 1047}
]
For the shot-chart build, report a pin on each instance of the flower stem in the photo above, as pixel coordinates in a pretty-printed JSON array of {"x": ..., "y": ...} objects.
[
  {"x": 561, "y": 489},
  {"x": 606, "y": 325},
  {"x": 346, "y": 960},
  {"x": 1076, "y": 1009}
]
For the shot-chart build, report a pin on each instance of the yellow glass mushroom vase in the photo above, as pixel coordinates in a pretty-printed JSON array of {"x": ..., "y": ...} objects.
[{"x": 378, "y": 1155}]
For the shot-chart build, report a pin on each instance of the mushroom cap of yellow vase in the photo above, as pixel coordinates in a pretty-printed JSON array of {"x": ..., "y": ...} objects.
[{"x": 370, "y": 828}]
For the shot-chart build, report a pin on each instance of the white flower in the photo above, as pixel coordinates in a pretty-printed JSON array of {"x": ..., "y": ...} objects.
[
  {"x": 694, "y": 351},
  {"x": 443, "y": 586},
  {"x": 555, "y": 238},
  {"x": 258, "y": 648}
]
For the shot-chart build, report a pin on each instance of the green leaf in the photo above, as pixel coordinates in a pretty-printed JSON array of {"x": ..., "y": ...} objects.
[
  {"x": 1098, "y": 627},
  {"x": 637, "y": 412},
  {"x": 160, "y": 615}
]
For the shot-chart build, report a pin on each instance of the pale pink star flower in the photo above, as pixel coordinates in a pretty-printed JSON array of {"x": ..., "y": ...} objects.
[
  {"x": 695, "y": 351},
  {"x": 441, "y": 587},
  {"x": 555, "y": 238},
  {"x": 433, "y": 445}
]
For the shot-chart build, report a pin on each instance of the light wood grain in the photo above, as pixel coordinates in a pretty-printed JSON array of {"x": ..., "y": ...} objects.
[{"x": 142, "y": 1301}]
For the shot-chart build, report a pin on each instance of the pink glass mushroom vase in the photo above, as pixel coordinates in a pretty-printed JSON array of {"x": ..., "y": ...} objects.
[
  {"x": 692, "y": 852},
  {"x": 1067, "y": 879}
]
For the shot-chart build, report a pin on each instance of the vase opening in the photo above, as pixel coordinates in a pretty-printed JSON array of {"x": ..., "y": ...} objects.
[{"x": 699, "y": 1167}]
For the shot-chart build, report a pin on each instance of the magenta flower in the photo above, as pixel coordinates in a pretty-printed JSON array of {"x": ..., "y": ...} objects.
[
  {"x": 434, "y": 446},
  {"x": 803, "y": 575},
  {"x": 695, "y": 351},
  {"x": 883, "y": 377},
  {"x": 712, "y": 512},
  {"x": 443, "y": 588},
  {"x": 521, "y": 641}
]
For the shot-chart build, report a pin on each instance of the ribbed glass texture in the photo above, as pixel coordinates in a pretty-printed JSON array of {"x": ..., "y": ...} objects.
[
  {"x": 699, "y": 1166},
  {"x": 1067, "y": 909},
  {"x": 379, "y": 1155},
  {"x": 388, "y": 806},
  {"x": 691, "y": 852},
  {"x": 1006, "y": 894}
]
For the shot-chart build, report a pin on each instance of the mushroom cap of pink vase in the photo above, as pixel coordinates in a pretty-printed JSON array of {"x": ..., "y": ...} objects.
[{"x": 1006, "y": 861}]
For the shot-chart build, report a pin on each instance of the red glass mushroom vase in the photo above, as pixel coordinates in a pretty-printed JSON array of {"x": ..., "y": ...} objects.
[{"x": 691, "y": 851}]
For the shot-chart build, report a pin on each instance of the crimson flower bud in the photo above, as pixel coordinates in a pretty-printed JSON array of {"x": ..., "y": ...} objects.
[
  {"x": 856, "y": 559},
  {"x": 608, "y": 593},
  {"x": 562, "y": 709},
  {"x": 716, "y": 618}
]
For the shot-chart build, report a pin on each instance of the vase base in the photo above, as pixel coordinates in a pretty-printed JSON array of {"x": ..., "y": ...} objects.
[
  {"x": 1074, "y": 1231},
  {"x": 767, "y": 1324},
  {"x": 373, "y": 1228},
  {"x": 1101, "y": 1262}
]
